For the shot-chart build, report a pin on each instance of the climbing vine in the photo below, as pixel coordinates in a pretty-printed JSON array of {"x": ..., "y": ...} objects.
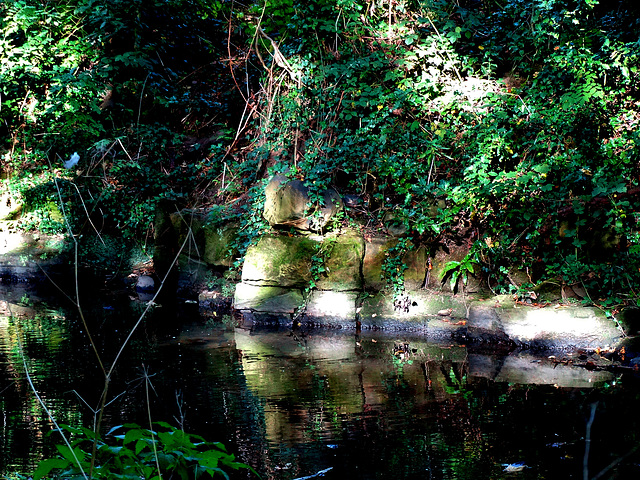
[{"x": 514, "y": 121}]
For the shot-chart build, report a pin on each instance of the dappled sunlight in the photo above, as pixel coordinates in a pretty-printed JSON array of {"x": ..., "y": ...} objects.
[
  {"x": 471, "y": 93},
  {"x": 11, "y": 242}
]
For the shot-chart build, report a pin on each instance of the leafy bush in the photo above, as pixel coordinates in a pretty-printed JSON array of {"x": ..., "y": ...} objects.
[
  {"x": 512, "y": 123},
  {"x": 518, "y": 118},
  {"x": 129, "y": 451}
]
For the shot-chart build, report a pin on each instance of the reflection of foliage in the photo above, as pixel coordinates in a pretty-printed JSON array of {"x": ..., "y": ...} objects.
[
  {"x": 454, "y": 384},
  {"x": 41, "y": 341}
]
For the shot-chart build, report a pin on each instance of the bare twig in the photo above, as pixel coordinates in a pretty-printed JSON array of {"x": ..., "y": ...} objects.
[
  {"x": 49, "y": 414},
  {"x": 87, "y": 212},
  {"x": 587, "y": 442},
  {"x": 140, "y": 104},
  {"x": 77, "y": 287},
  {"x": 147, "y": 383},
  {"x": 181, "y": 415}
]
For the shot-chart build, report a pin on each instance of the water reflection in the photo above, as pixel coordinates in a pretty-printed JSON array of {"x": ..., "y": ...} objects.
[{"x": 359, "y": 405}]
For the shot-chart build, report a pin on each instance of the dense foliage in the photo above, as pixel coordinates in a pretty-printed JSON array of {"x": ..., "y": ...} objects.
[
  {"x": 135, "y": 452},
  {"x": 509, "y": 125}
]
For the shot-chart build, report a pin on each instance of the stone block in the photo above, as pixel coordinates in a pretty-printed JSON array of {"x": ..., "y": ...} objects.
[
  {"x": 375, "y": 254},
  {"x": 275, "y": 300},
  {"x": 279, "y": 260},
  {"x": 286, "y": 261},
  {"x": 343, "y": 264},
  {"x": 328, "y": 306}
]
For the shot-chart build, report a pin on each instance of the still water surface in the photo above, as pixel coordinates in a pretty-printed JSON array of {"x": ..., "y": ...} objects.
[{"x": 291, "y": 404}]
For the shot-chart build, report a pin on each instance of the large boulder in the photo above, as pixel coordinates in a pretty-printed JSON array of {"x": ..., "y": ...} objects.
[{"x": 287, "y": 204}]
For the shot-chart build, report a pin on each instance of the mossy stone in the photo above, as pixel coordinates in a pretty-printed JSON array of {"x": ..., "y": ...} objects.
[
  {"x": 267, "y": 299},
  {"x": 343, "y": 265},
  {"x": 217, "y": 244},
  {"x": 280, "y": 260},
  {"x": 376, "y": 252}
]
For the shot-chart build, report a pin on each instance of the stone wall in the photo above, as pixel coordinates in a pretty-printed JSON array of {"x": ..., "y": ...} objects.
[
  {"x": 350, "y": 293},
  {"x": 350, "y": 266}
]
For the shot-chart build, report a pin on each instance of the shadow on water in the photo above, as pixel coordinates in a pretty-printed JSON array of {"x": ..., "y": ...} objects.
[{"x": 363, "y": 405}]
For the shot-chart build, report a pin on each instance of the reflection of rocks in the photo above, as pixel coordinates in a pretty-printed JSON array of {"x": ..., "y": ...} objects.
[
  {"x": 524, "y": 368},
  {"x": 355, "y": 374},
  {"x": 495, "y": 324},
  {"x": 362, "y": 374},
  {"x": 145, "y": 284}
]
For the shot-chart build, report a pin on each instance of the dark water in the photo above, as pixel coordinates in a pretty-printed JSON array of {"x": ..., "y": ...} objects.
[{"x": 292, "y": 404}]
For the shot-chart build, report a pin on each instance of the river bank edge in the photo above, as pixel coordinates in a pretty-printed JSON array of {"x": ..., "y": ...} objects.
[{"x": 533, "y": 322}]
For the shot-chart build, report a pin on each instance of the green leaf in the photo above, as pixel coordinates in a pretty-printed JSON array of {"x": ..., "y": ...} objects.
[
  {"x": 45, "y": 467},
  {"x": 449, "y": 266},
  {"x": 133, "y": 435},
  {"x": 113, "y": 429},
  {"x": 73, "y": 456},
  {"x": 454, "y": 279}
]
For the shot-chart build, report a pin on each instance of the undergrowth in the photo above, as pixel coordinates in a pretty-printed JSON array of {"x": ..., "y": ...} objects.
[{"x": 510, "y": 124}]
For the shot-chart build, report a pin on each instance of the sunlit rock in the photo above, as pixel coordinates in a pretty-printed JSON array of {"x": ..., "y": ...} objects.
[
  {"x": 538, "y": 327},
  {"x": 288, "y": 204},
  {"x": 381, "y": 312},
  {"x": 287, "y": 261},
  {"x": 279, "y": 260},
  {"x": 329, "y": 306}
]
